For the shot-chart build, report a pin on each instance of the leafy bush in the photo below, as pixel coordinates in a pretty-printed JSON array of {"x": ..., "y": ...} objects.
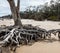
[{"x": 53, "y": 18}]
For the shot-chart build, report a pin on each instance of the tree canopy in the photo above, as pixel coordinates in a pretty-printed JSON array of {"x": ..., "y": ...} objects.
[{"x": 47, "y": 11}]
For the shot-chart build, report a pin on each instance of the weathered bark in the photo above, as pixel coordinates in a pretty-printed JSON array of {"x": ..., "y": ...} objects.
[
  {"x": 15, "y": 12},
  {"x": 16, "y": 37}
]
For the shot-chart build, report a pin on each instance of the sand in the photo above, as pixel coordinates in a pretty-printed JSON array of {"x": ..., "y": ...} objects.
[{"x": 40, "y": 46}]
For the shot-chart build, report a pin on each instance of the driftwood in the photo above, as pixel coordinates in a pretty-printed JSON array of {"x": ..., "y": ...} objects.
[{"x": 14, "y": 36}]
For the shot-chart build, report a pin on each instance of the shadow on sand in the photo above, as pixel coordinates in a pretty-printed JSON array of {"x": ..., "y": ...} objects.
[{"x": 52, "y": 40}]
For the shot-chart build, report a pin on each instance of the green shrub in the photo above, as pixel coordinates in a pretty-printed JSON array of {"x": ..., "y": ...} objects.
[{"x": 53, "y": 18}]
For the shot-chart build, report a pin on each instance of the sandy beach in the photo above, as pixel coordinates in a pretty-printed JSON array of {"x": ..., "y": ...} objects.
[
  {"x": 48, "y": 25},
  {"x": 40, "y": 46}
]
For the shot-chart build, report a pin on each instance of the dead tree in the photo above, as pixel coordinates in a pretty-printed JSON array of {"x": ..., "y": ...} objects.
[
  {"x": 15, "y": 36},
  {"x": 15, "y": 12}
]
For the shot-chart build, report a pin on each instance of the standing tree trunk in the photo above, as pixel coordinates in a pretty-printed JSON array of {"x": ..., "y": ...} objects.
[{"x": 15, "y": 12}]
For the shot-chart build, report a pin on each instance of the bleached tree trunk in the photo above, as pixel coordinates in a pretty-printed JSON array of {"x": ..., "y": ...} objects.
[{"x": 15, "y": 12}]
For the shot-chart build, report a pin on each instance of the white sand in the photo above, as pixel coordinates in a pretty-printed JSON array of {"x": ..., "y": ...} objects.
[
  {"x": 42, "y": 24},
  {"x": 38, "y": 47},
  {"x": 48, "y": 25}
]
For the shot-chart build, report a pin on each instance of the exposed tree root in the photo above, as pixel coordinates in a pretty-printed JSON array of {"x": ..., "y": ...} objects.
[{"x": 12, "y": 36}]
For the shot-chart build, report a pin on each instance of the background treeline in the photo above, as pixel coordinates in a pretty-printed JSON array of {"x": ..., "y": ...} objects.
[{"x": 48, "y": 11}]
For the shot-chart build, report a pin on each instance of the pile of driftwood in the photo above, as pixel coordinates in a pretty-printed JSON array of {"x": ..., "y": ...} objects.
[{"x": 13, "y": 37}]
